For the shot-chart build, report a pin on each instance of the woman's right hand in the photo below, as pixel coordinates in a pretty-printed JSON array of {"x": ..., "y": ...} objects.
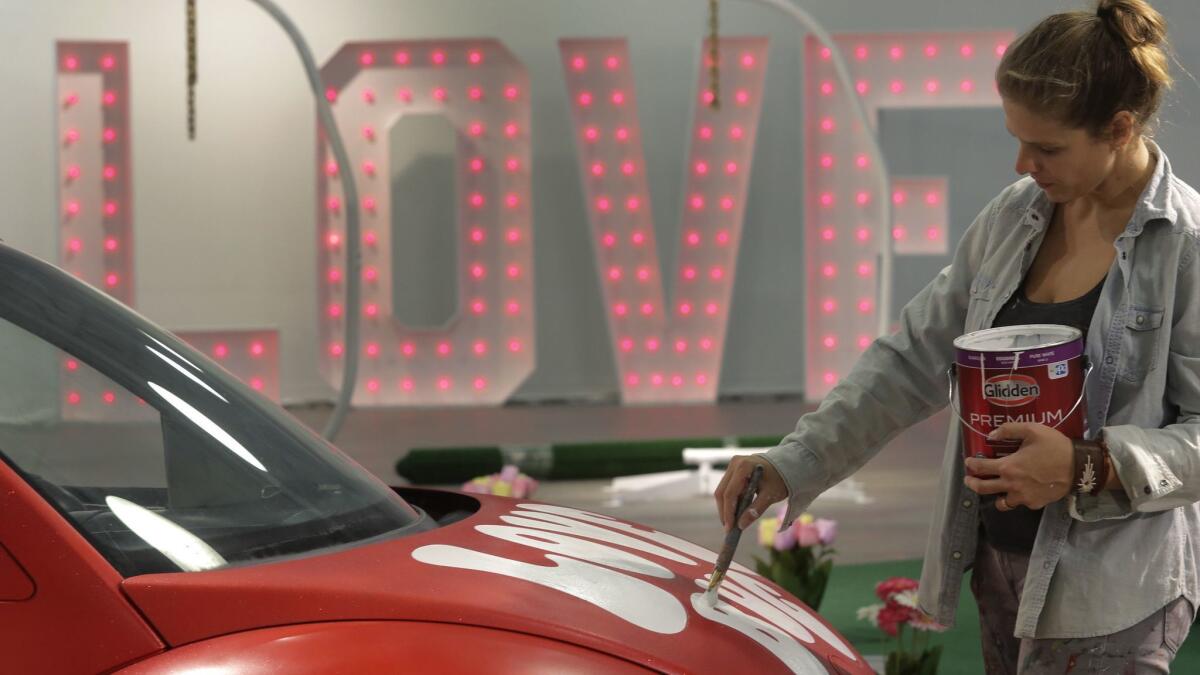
[{"x": 771, "y": 489}]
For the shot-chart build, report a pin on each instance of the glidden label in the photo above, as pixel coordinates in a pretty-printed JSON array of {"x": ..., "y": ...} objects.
[{"x": 1011, "y": 391}]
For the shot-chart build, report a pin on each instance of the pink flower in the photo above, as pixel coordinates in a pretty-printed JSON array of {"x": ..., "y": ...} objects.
[
  {"x": 806, "y": 534},
  {"x": 826, "y": 530},
  {"x": 785, "y": 539},
  {"x": 509, "y": 473}
]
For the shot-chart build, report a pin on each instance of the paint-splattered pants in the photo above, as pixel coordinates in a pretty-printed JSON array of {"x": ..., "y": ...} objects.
[{"x": 1146, "y": 647}]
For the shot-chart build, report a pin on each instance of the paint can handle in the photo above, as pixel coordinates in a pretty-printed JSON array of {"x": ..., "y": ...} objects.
[{"x": 951, "y": 377}]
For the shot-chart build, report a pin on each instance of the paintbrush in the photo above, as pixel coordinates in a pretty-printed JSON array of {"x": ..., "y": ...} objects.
[{"x": 725, "y": 558}]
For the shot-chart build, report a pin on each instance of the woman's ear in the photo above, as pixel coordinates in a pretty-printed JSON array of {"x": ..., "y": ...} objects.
[{"x": 1122, "y": 129}]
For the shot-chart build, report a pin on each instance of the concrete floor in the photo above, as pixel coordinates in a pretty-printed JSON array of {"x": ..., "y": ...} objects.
[{"x": 901, "y": 480}]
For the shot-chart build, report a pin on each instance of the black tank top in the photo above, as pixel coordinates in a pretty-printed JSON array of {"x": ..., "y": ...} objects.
[{"x": 1015, "y": 531}]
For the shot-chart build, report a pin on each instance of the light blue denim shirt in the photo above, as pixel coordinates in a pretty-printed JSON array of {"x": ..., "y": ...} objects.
[{"x": 1099, "y": 564}]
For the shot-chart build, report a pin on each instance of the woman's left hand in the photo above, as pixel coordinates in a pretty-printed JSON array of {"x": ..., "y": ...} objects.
[{"x": 1038, "y": 473}]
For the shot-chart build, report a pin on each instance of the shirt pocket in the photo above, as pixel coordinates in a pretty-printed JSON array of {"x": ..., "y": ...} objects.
[{"x": 1143, "y": 333}]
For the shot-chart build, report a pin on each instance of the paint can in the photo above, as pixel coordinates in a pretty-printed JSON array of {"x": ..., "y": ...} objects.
[{"x": 1030, "y": 373}]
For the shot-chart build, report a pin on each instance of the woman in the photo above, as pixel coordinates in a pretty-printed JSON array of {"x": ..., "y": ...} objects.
[{"x": 1100, "y": 235}]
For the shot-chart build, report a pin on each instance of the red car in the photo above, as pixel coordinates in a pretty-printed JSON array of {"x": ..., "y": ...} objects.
[{"x": 214, "y": 534}]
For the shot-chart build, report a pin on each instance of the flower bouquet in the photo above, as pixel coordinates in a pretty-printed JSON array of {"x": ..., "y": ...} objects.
[
  {"x": 800, "y": 556},
  {"x": 899, "y": 609},
  {"x": 508, "y": 483}
]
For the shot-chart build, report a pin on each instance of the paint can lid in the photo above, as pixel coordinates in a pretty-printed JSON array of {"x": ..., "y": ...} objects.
[{"x": 1018, "y": 338}]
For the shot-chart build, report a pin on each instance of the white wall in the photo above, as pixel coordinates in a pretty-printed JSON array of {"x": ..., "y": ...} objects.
[{"x": 224, "y": 225}]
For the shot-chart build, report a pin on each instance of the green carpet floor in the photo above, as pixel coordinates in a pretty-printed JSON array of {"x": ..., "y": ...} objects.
[{"x": 853, "y": 586}]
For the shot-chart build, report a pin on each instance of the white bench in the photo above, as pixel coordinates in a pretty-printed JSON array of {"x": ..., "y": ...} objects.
[{"x": 705, "y": 458}]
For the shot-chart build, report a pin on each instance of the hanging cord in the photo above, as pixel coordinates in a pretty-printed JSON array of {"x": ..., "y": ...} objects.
[
  {"x": 191, "y": 69},
  {"x": 714, "y": 54}
]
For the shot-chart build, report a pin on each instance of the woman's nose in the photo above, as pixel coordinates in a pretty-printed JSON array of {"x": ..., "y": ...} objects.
[{"x": 1025, "y": 162}]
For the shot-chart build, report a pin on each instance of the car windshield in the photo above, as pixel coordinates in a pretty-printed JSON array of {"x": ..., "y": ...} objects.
[{"x": 160, "y": 457}]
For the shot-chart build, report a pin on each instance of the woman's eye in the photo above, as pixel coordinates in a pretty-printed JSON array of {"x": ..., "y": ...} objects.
[{"x": 1048, "y": 151}]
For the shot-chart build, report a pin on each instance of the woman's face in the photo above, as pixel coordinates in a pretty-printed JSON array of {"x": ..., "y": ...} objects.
[{"x": 1066, "y": 162}]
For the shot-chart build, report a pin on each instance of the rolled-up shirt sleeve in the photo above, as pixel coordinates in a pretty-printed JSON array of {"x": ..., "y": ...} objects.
[
  {"x": 898, "y": 381},
  {"x": 1160, "y": 468}
]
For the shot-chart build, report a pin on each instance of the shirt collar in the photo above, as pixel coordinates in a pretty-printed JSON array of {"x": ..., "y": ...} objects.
[{"x": 1155, "y": 202}]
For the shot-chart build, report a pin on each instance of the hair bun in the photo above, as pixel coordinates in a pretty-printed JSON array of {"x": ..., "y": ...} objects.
[{"x": 1135, "y": 22}]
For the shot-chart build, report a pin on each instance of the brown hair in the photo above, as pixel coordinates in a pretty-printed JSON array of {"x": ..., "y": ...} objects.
[{"x": 1085, "y": 67}]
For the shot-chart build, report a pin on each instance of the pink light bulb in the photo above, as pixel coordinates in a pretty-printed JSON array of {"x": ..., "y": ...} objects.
[
  {"x": 111, "y": 279},
  {"x": 864, "y": 342},
  {"x": 477, "y": 235},
  {"x": 70, "y": 99},
  {"x": 829, "y": 270},
  {"x": 108, "y": 98},
  {"x": 830, "y": 378},
  {"x": 443, "y": 383},
  {"x": 741, "y": 97},
  {"x": 438, "y": 57},
  {"x": 829, "y": 305},
  {"x": 512, "y": 164},
  {"x": 826, "y": 88},
  {"x": 75, "y": 245},
  {"x": 480, "y": 347},
  {"x": 584, "y": 99},
  {"x": 400, "y": 58},
  {"x": 370, "y": 274},
  {"x": 443, "y": 349},
  {"x": 689, "y": 273},
  {"x": 716, "y": 273},
  {"x": 651, "y": 344},
  {"x": 643, "y": 273},
  {"x": 478, "y": 306},
  {"x": 110, "y": 208},
  {"x": 705, "y": 133},
  {"x": 608, "y": 240},
  {"x": 408, "y": 349},
  {"x": 862, "y": 161},
  {"x": 333, "y": 240},
  {"x": 474, "y": 57},
  {"x": 479, "y": 383},
  {"x": 865, "y": 305},
  {"x": 707, "y": 97},
  {"x": 221, "y": 350},
  {"x": 511, "y": 129},
  {"x": 932, "y": 198},
  {"x": 967, "y": 50},
  {"x": 828, "y": 234},
  {"x": 257, "y": 384},
  {"x": 614, "y": 273},
  {"x": 335, "y": 310},
  {"x": 896, "y": 86},
  {"x": 331, "y": 95},
  {"x": 932, "y": 86},
  {"x": 931, "y": 50},
  {"x": 735, "y": 132},
  {"x": 710, "y": 309},
  {"x": 896, "y": 52},
  {"x": 826, "y": 199},
  {"x": 476, "y": 200},
  {"x": 73, "y": 172},
  {"x": 899, "y": 233},
  {"x": 828, "y": 125},
  {"x": 696, "y": 201},
  {"x": 109, "y": 135},
  {"x": 656, "y": 379},
  {"x": 966, "y": 86},
  {"x": 626, "y": 344},
  {"x": 475, "y": 164},
  {"x": 74, "y": 398},
  {"x": 331, "y": 168},
  {"x": 627, "y": 168},
  {"x": 257, "y": 349},
  {"x": 439, "y": 94},
  {"x": 899, "y": 197},
  {"x": 512, "y": 200},
  {"x": 475, "y": 128},
  {"x": 73, "y": 208},
  {"x": 368, "y": 132},
  {"x": 369, "y": 203},
  {"x": 591, "y": 134},
  {"x": 638, "y": 237},
  {"x": 511, "y": 92},
  {"x": 406, "y": 384},
  {"x": 366, "y": 58},
  {"x": 722, "y": 237},
  {"x": 747, "y": 60},
  {"x": 632, "y": 379},
  {"x": 110, "y": 244},
  {"x": 597, "y": 169},
  {"x": 368, "y": 96},
  {"x": 620, "y": 309},
  {"x": 647, "y": 309},
  {"x": 825, "y": 53},
  {"x": 372, "y": 385},
  {"x": 333, "y": 203},
  {"x": 1000, "y": 49},
  {"x": 513, "y": 235},
  {"x": 513, "y": 271},
  {"x": 864, "y": 269},
  {"x": 692, "y": 238},
  {"x": 681, "y": 346},
  {"x": 701, "y": 168},
  {"x": 731, "y": 168},
  {"x": 370, "y": 238},
  {"x": 612, "y": 62},
  {"x": 371, "y": 310},
  {"x": 685, "y": 308},
  {"x": 726, "y": 203},
  {"x": 404, "y": 95},
  {"x": 862, "y": 87},
  {"x": 618, "y": 97},
  {"x": 829, "y": 342},
  {"x": 676, "y": 380},
  {"x": 578, "y": 63},
  {"x": 71, "y": 62},
  {"x": 701, "y": 379},
  {"x": 603, "y": 204},
  {"x": 861, "y": 52},
  {"x": 632, "y": 203},
  {"x": 621, "y": 134},
  {"x": 334, "y": 275},
  {"x": 514, "y": 346},
  {"x": 109, "y": 172},
  {"x": 368, "y": 167},
  {"x": 826, "y": 161},
  {"x": 706, "y": 343},
  {"x": 477, "y": 271},
  {"x": 932, "y": 233}
]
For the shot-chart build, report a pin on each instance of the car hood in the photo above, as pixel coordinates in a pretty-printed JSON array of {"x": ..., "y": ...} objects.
[{"x": 562, "y": 573}]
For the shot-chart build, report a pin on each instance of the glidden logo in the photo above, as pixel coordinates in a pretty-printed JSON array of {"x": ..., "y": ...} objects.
[{"x": 1011, "y": 391}]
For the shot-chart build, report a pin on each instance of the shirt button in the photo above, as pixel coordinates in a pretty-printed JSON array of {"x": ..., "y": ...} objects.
[
  {"x": 1163, "y": 483},
  {"x": 1046, "y": 565},
  {"x": 1108, "y": 359},
  {"x": 957, "y": 555},
  {"x": 966, "y": 503},
  {"x": 1146, "y": 489},
  {"x": 1141, "y": 319}
]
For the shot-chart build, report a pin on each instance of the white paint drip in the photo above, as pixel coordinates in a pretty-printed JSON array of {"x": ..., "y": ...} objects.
[{"x": 786, "y": 649}]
